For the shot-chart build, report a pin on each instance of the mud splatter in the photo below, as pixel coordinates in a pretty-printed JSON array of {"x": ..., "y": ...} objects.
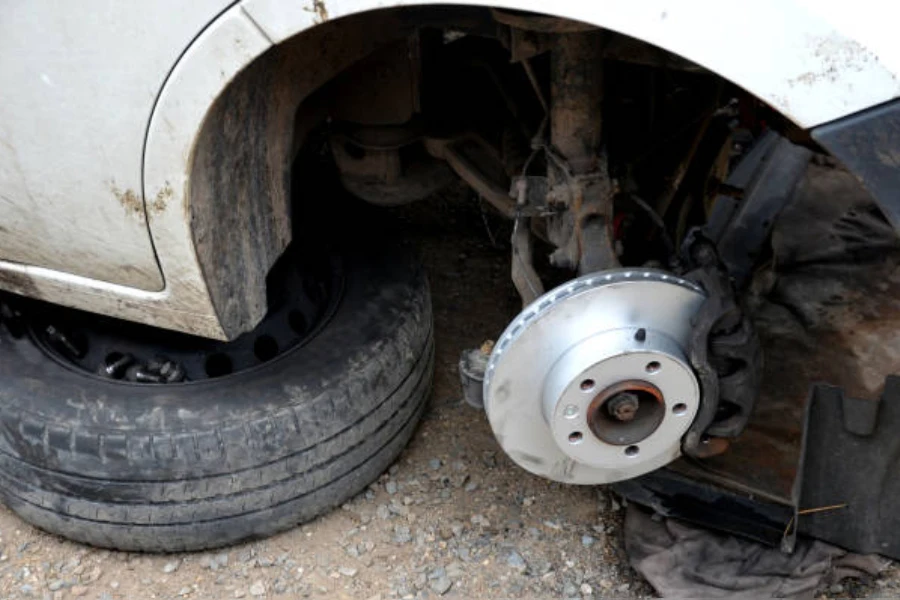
[
  {"x": 162, "y": 199},
  {"x": 318, "y": 7},
  {"x": 129, "y": 200}
]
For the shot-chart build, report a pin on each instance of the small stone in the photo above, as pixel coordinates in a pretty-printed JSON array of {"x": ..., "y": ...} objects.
[
  {"x": 78, "y": 590},
  {"x": 257, "y": 588},
  {"x": 587, "y": 541},
  {"x": 479, "y": 520},
  {"x": 280, "y": 586},
  {"x": 171, "y": 567},
  {"x": 92, "y": 575},
  {"x": 471, "y": 487},
  {"x": 837, "y": 588},
  {"x": 602, "y": 502},
  {"x": 383, "y": 512},
  {"x": 56, "y": 584},
  {"x": 239, "y": 593},
  {"x": 185, "y": 591},
  {"x": 516, "y": 561},
  {"x": 348, "y": 571},
  {"x": 26, "y": 589},
  {"x": 114, "y": 585},
  {"x": 586, "y": 589},
  {"x": 402, "y": 535},
  {"x": 455, "y": 570},
  {"x": 391, "y": 487},
  {"x": 441, "y": 585},
  {"x": 615, "y": 505},
  {"x": 624, "y": 587},
  {"x": 420, "y": 581},
  {"x": 434, "y": 464}
]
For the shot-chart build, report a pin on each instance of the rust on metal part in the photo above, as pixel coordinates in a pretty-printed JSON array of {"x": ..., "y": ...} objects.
[{"x": 610, "y": 426}]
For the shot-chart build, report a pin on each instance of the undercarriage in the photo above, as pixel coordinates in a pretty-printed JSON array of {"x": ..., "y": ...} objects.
[
  {"x": 652, "y": 213},
  {"x": 643, "y": 193}
]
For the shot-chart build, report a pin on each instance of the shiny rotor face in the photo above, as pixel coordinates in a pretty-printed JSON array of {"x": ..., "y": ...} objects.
[{"x": 591, "y": 382}]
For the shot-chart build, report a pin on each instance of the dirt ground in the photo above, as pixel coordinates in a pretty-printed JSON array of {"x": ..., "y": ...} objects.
[{"x": 452, "y": 518}]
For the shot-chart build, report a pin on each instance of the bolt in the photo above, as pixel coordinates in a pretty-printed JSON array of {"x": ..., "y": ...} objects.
[
  {"x": 63, "y": 342},
  {"x": 140, "y": 374},
  {"x": 169, "y": 370},
  {"x": 623, "y": 406},
  {"x": 172, "y": 372},
  {"x": 704, "y": 254},
  {"x": 116, "y": 368}
]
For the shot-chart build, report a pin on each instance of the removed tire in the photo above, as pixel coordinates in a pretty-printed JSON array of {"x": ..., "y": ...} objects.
[{"x": 205, "y": 463}]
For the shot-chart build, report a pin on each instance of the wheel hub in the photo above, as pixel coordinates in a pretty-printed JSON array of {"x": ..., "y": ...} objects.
[{"x": 591, "y": 383}]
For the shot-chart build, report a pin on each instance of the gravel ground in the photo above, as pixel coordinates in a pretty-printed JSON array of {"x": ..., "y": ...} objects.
[{"x": 453, "y": 517}]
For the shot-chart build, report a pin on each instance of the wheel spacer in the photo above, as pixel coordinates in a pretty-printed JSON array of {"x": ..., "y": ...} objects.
[{"x": 591, "y": 382}]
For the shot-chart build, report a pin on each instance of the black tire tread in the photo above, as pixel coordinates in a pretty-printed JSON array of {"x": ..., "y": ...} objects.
[{"x": 241, "y": 470}]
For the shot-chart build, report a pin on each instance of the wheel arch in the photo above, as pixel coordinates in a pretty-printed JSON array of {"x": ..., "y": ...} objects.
[{"x": 217, "y": 195}]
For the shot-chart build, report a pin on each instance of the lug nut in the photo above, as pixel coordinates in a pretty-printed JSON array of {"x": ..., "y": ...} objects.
[{"x": 623, "y": 406}]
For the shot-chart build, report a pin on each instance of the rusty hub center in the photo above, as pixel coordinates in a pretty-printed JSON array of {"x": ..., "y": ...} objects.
[{"x": 626, "y": 413}]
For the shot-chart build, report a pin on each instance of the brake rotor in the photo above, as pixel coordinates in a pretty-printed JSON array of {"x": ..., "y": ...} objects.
[{"x": 591, "y": 382}]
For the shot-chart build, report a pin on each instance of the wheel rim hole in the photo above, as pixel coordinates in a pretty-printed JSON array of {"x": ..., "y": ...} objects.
[
  {"x": 632, "y": 451},
  {"x": 653, "y": 367},
  {"x": 218, "y": 365},
  {"x": 265, "y": 348},
  {"x": 576, "y": 437},
  {"x": 587, "y": 385},
  {"x": 679, "y": 409},
  {"x": 297, "y": 322}
]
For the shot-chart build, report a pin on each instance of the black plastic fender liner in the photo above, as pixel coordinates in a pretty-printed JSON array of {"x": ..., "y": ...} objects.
[
  {"x": 849, "y": 493},
  {"x": 868, "y": 144}
]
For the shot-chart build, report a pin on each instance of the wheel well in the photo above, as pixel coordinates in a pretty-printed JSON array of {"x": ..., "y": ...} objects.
[
  {"x": 239, "y": 186},
  {"x": 240, "y": 175}
]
